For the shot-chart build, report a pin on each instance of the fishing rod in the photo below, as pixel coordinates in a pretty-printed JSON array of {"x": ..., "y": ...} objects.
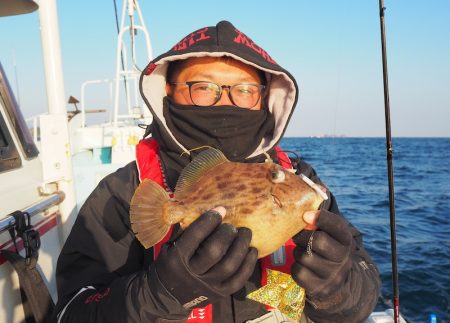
[{"x": 390, "y": 153}]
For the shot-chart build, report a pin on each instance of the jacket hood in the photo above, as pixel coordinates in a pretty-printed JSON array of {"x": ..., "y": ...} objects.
[{"x": 223, "y": 40}]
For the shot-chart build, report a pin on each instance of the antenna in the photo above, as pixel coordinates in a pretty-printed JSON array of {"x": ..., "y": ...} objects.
[
  {"x": 16, "y": 77},
  {"x": 390, "y": 153}
]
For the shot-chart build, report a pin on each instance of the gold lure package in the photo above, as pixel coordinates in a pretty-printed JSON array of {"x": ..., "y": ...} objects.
[{"x": 282, "y": 293}]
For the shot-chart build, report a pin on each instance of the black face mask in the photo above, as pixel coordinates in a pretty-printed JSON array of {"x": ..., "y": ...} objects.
[{"x": 235, "y": 131}]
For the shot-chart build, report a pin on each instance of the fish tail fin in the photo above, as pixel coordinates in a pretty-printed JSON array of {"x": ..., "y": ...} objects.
[{"x": 147, "y": 213}]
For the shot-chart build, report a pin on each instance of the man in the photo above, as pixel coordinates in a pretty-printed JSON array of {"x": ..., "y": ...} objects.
[{"x": 217, "y": 88}]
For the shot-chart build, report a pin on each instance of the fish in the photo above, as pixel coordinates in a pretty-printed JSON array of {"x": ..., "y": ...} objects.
[{"x": 263, "y": 197}]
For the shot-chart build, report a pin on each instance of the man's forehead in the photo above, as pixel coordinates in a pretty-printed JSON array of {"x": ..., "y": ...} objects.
[
  {"x": 208, "y": 66},
  {"x": 208, "y": 60}
]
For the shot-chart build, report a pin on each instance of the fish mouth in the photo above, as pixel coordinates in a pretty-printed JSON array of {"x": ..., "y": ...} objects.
[{"x": 277, "y": 201}]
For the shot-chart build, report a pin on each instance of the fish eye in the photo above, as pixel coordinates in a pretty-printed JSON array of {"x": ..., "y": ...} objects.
[{"x": 278, "y": 176}]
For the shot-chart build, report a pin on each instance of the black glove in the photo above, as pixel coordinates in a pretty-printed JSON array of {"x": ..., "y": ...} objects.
[
  {"x": 323, "y": 258},
  {"x": 208, "y": 261}
]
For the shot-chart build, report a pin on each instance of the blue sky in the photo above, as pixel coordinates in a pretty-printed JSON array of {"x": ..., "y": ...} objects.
[{"x": 331, "y": 47}]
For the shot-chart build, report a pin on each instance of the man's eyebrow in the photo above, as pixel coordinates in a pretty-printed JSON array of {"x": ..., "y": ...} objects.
[{"x": 205, "y": 76}]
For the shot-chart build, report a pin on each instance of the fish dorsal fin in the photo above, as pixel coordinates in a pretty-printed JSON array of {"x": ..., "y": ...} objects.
[{"x": 202, "y": 163}]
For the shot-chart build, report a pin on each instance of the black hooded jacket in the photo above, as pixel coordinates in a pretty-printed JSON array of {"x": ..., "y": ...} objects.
[{"x": 102, "y": 272}]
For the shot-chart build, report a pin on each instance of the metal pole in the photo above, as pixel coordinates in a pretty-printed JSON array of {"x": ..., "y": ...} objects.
[
  {"x": 390, "y": 152},
  {"x": 48, "y": 17}
]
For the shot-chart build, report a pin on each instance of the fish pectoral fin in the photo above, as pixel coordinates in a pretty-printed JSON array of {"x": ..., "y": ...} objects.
[{"x": 147, "y": 216}]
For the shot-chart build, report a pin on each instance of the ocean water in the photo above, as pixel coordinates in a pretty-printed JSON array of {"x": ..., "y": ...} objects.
[{"x": 355, "y": 170}]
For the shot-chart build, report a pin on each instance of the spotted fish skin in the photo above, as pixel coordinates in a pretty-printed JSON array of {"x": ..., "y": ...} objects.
[{"x": 260, "y": 196}]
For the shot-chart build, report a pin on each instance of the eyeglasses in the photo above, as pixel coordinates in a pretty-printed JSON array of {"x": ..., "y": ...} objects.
[{"x": 206, "y": 94}]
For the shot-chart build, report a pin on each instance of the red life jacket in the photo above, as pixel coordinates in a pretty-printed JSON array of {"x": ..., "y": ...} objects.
[{"x": 149, "y": 167}]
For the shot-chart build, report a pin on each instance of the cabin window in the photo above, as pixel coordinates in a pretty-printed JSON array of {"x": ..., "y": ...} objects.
[
  {"x": 10, "y": 107},
  {"x": 9, "y": 156},
  {"x": 3, "y": 142}
]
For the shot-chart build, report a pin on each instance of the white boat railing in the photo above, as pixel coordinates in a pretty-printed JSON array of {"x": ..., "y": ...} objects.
[
  {"x": 134, "y": 108},
  {"x": 90, "y": 83},
  {"x": 9, "y": 221}
]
